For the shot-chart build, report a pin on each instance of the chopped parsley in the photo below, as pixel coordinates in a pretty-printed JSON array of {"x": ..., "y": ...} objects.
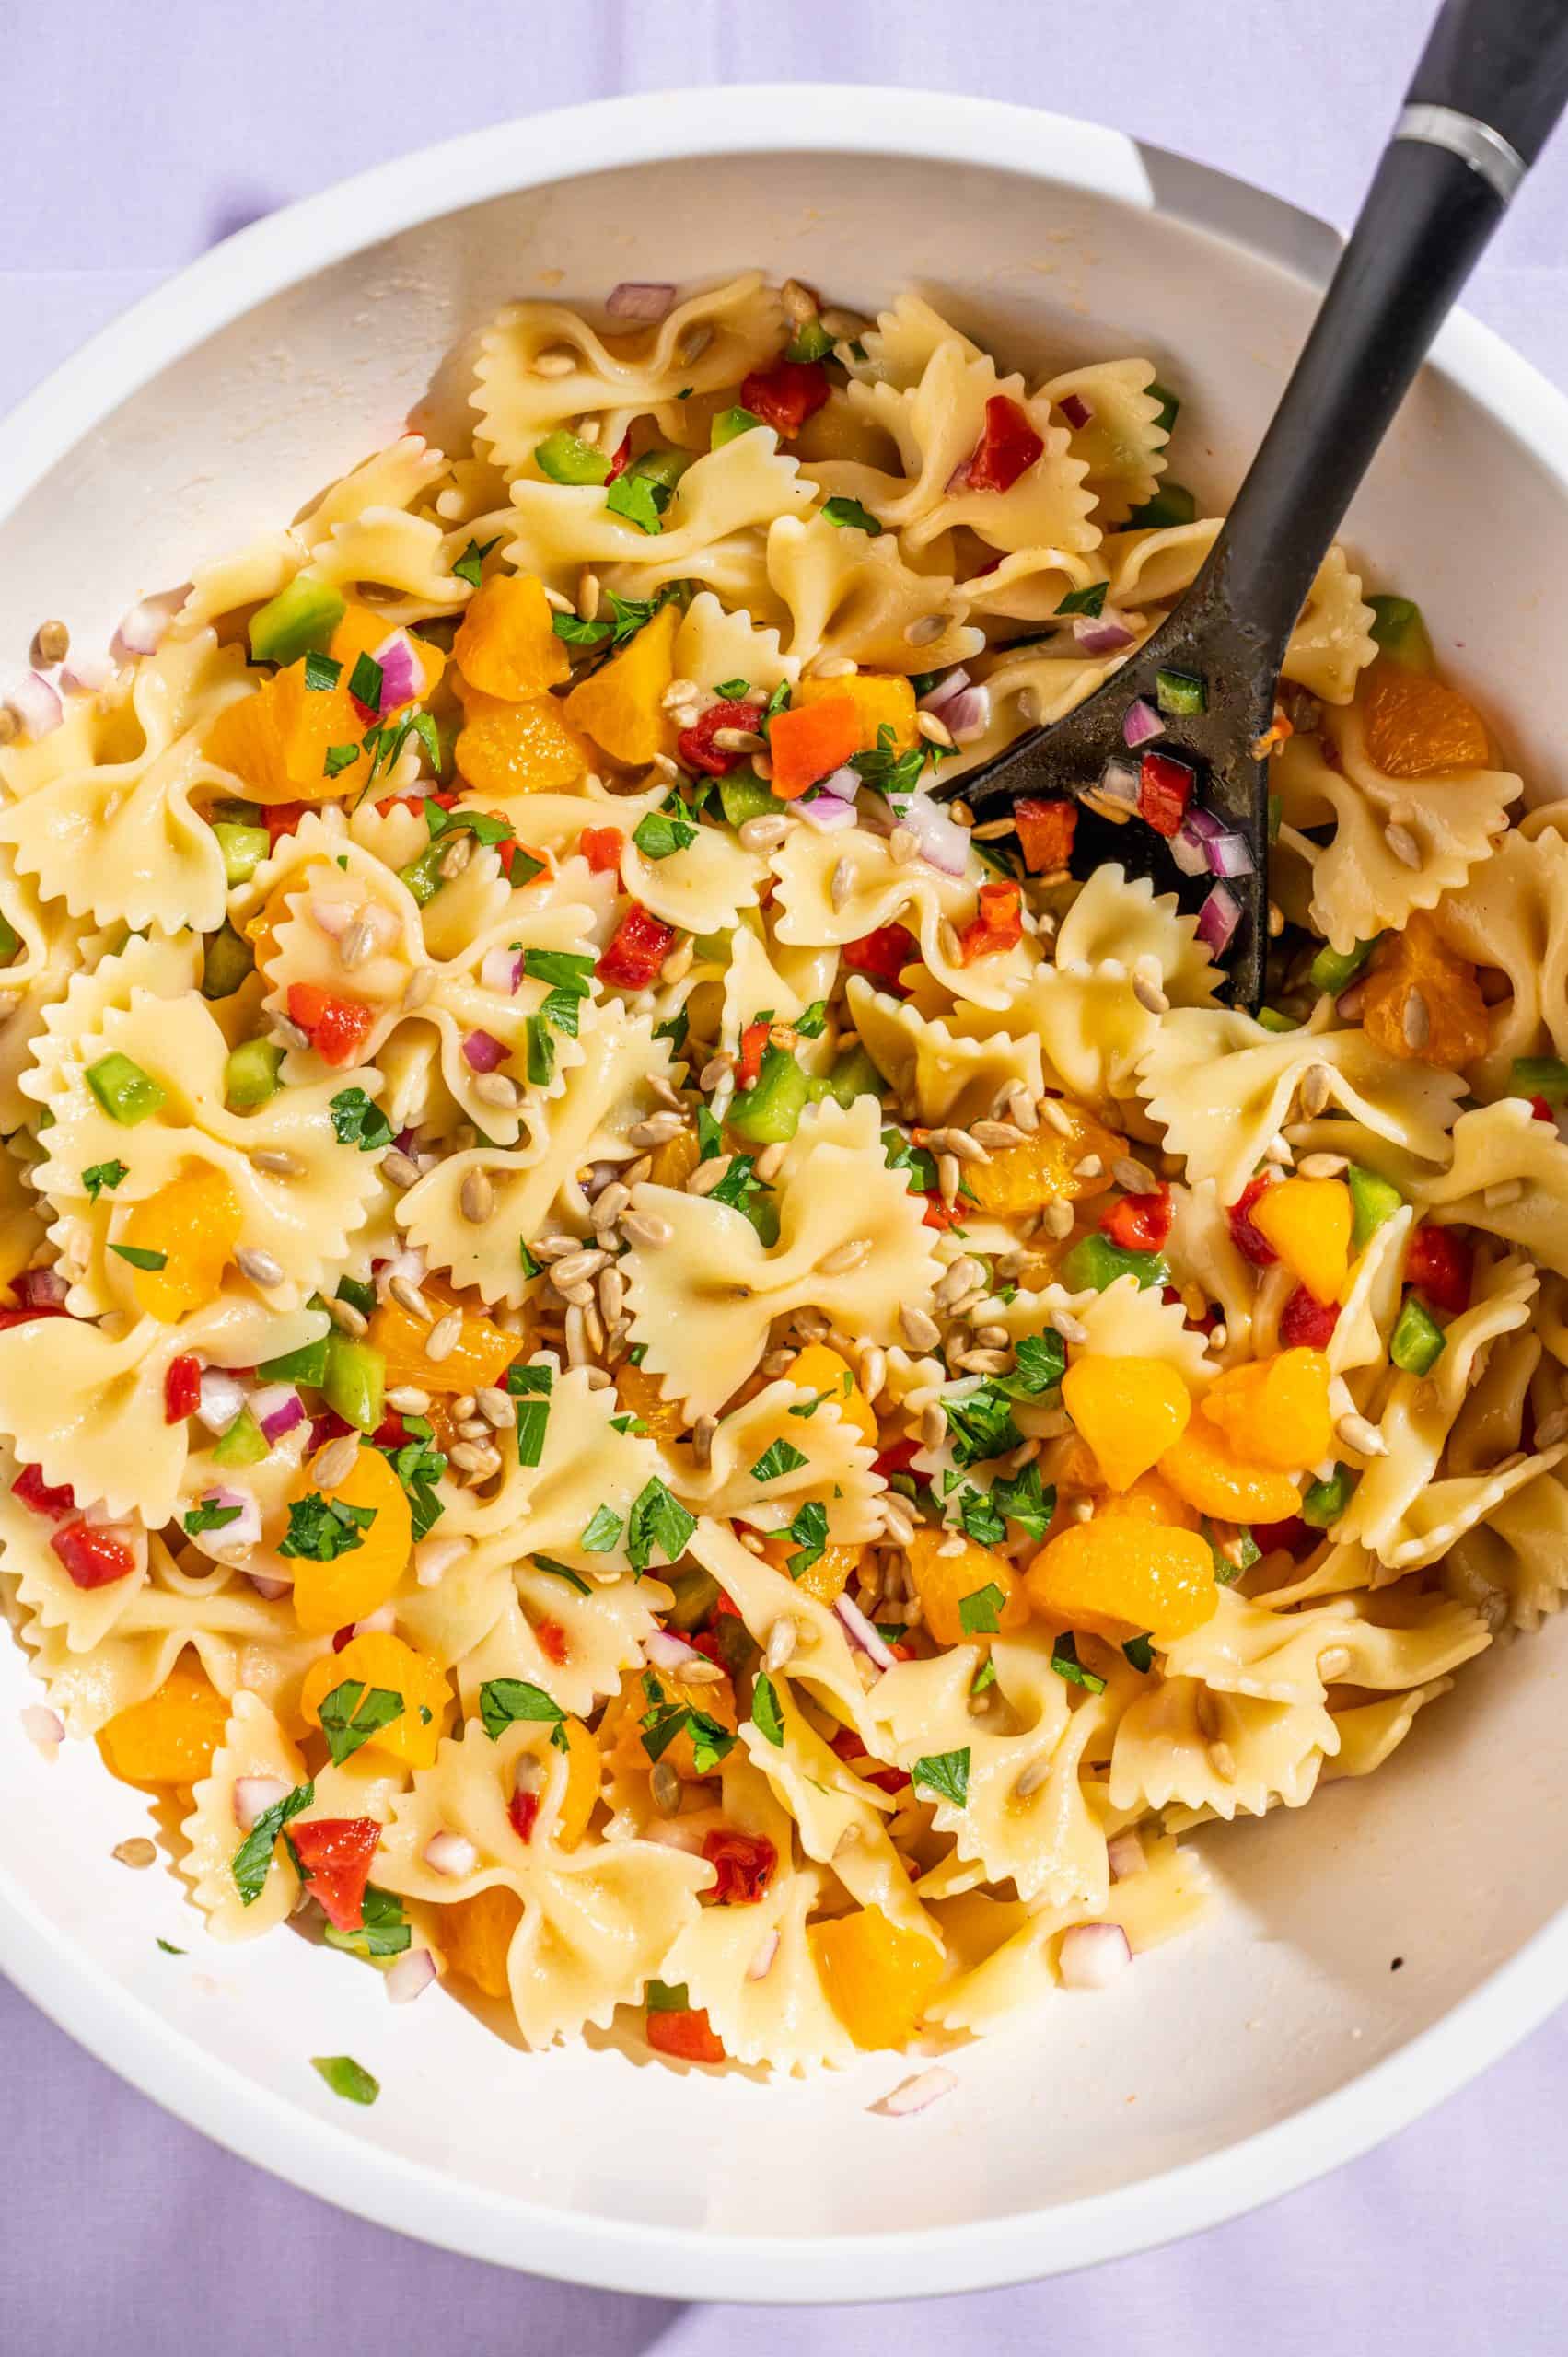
[
  {"x": 99, "y": 1174},
  {"x": 170, "y": 1949},
  {"x": 139, "y": 1256},
  {"x": 674, "y": 1028},
  {"x": 984, "y": 1676},
  {"x": 977, "y": 1512},
  {"x": 658, "y": 836},
  {"x": 365, "y": 681},
  {"x": 540, "y": 1051},
  {"x": 945, "y": 1774},
  {"x": 470, "y": 566},
  {"x": 980, "y": 1614},
  {"x": 1140, "y": 1652},
  {"x": 813, "y": 1021},
  {"x": 602, "y": 1532},
  {"x": 810, "y": 1532},
  {"x": 733, "y": 691},
  {"x": 765, "y": 1714},
  {"x": 1024, "y": 1500},
  {"x": 657, "y": 1520},
  {"x": 346, "y": 2077},
  {"x": 1066, "y": 1663},
  {"x": 482, "y": 825},
  {"x": 359, "y": 1122},
  {"x": 502, "y": 1700},
  {"x": 639, "y": 500},
  {"x": 851, "y": 513},
  {"x": 561, "y": 1572},
  {"x": 530, "y": 1387},
  {"x": 383, "y": 1927},
  {"x": 1040, "y": 1361},
  {"x": 210, "y": 1517},
  {"x": 320, "y": 1528},
  {"x": 560, "y": 970},
  {"x": 778, "y": 1459},
  {"x": 1089, "y": 601},
  {"x": 251, "y": 1861},
  {"x": 663, "y": 1720},
  {"x": 321, "y": 672},
  {"x": 419, "y": 1464},
  {"x": 340, "y": 758},
  {"x": 981, "y": 1426},
  {"x": 353, "y": 1712}
]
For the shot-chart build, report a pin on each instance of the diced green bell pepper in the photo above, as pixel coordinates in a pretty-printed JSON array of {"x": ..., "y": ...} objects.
[
  {"x": 10, "y": 942},
  {"x": 1173, "y": 504},
  {"x": 810, "y": 340},
  {"x": 854, "y": 1075},
  {"x": 1419, "y": 1341},
  {"x": 696, "y": 1593},
  {"x": 1325, "y": 1502},
  {"x": 358, "y": 1294},
  {"x": 1169, "y": 404},
  {"x": 355, "y": 1381},
  {"x": 423, "y": 875},
  {"x": 1272, "y": 1020},
  {"x": 1335, "y": 969},
  {"x": 243, "y": 848},
  {"x": 1094, "y": 1261},
  {"x": 729, "y": 423},
  {"x": 250, "y": 1074},
  {"x": 664, "y": 467},
  {"x": 1401, "y": 631},
  {"x": 565, "y": 457},
  {"x": 126, "y": 1093},
  {"x": 308, "y": 1365},
  {"x": 770, "y": 1111},
  {"x": 1181, "y": 693},
  {"x": 244, "y": 1443},
  {"x": 743, "y": 795},
  {"x": 1541, "y": 1076},
  {"x": 227, "y": 963},
  {"x": 299, "y": 621},
  {"x": 1373, "y": 1200}
]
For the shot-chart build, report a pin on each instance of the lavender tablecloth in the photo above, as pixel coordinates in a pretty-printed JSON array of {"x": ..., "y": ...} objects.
[{"x": 135, "y": 138}]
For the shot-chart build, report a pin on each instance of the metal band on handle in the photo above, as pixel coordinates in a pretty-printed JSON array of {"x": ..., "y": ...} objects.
[{"x": 1485, "y": 150}]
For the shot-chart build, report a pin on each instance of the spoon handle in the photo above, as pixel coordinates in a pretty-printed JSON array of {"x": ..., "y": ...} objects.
[{"x": 1488, "y": 89}]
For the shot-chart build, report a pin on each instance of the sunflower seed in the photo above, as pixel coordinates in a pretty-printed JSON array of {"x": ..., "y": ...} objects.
[
  {"x": 764, "y": 833},
  {"x": 776, "y": 1363},
  {"x": 418, "y": 987},
  {"x": 1023, "y": 1110},
  {"x": 354, "y": 945},
  {"x": 474, "y": 1428},
  {"x": 702, "y": 1433},
  {"x": 845, "y": 1257},
  {"x": 1089, "y": 1167},
  {"x": 994, "y": 1338},
  {"x": 664, "y": 1787},
  {"x": 258, "y": 1266},
  {"x": 498, "y": 1408},
  {"x": 921, "y": 1332},
  {"x": 656, "y": 1131},
  {"x": 608, "y": 1204},
  {"x": 832, "y": 666},
  {"x": 336, "y": 1461},
  {"x": 959, "y": 1142},
  {"x": 276, "y": 1162},
  {"x": 408, "y": 1400},
  {"x": 934, "y": 731},
  {"x": 587, "y": 430},
  {"x": 407, "y": 1295},
  {"x": 841, "y": 883},
  {"x": 897, "y": 1521},
  {"x": 554, "y": 363},
  {"x": 1221, "y": 1759},
  {"x": 494, "y": 1088},
  {"x": 286, "y": 1034},
  {"x": 1321, "y": 1166},
  {"x": 708, "y": 1175},
  {"x": 873, "y": 1371},
  {"x": 648, "y": 1229},
  {"x": 1132, "y": 1177},
  {"x": 348, "y": 1319},
  {"x": 456, "y": 857},
  {"x": 949, "y": 1176},
  {"x": 933, "y": 1426},
  {"x": 588, "y": 594},
  {"x": 444, "y": 1336},
  {"x": 1415, "y": 1021},
  {"x": 1055, "y": 1116},
  {"x": 137, "y": 1852},
  {"x": 782, "y": 1638},
  {"x": 739, "y": 740},
  {"x": 476, "y": 1198},
  {"x": 996, "y": 1136},
  {"x": 611, "y": 1289},
  {"x": 1033, "y": 1777},
  {"x": 1363, "y": 1437},
  {"x": 577, "y": 1266},
  {"x": 1071, "y": 1328},
  {"x": 1148, "y": 985},
  {"x": 925, "y": 628},
  {"x": 770, "y": 1162},
  {"x": 903, "y": 846},
  {"x": 1057, "y": 1220},
  {"x": 1403, "y": 845}
]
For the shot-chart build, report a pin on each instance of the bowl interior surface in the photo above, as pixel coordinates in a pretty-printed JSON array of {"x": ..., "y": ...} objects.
[{"x": 1446, "y": 1860}]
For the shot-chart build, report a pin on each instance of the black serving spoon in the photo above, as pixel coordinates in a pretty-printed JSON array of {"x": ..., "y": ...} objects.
[{"x": 1488, "y": 91}]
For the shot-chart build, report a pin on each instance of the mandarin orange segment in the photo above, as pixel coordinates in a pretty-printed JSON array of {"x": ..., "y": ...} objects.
[
  {"x": 1120, "y": 1572},
  {"x": 1423, "y": 1003},
  {"x": 639, "y": 1393},
  {"x": 1045, "y": 1168},
  {"x": 879, "y": 704},
  {"x": 481, "y": 1354},
  {"x": 1130, "y": 1411},
  {"x": 827, "y": 1578},
  {"x": 584, "y": 1765},
  {"x": 1308, "y": 1222},
  {"x": 327, "y": 1595},
  {"x": 528, "y": 748},
  {"x": 379, "y": 1661},
  {"x": 649, "y": 1690},
  {"x": 942, "y": 1582},
  {"x": 507, "y": 642},
  {"x": 361, "y": 632},
  {"x": 1205, "y": 1470},
  {"x": 1276, "y": 1411},
  {"x": 816, "y": 1369},
  {"x": 675, "y": 1160},
  {"x": 1417, "y": 727},
  {"x": 171, "y": 1737},
  {"x": 1150, "y": 1499},
  {"x": 475, "y": 1936},
  {"x": 195, "y": 1223},
  {"x": 621, "y": 706},
  {"x": 877, "y": 1976}
]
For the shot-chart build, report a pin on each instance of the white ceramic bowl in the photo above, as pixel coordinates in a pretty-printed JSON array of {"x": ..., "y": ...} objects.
[{"x": 1223, "y": 2069}]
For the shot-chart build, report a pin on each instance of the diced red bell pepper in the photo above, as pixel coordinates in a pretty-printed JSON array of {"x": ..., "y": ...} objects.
[
  {"x": 687, "y": 2034},
  {"x": 882, "y": 956},
  {"x": 620, "y": 459},
  {"x": 1542, "y": 1111},
  {"x": 1204, "y": 1323},
  {"x": 282, "y": 818},
  {"x": 1305, "y": 1324},
  {"x": 727, "y": 1607},
  {"x": 508, "y": 853},
  {"x": 602, "y": 847},
  {"x": 847, "y": 1746},
  {"x": 1007, "y": 448},
  {"x": 1440, "y": 1265},
  {"x": 900, "y": 1458},
  {"x": 1165, "y": 789},
  {"x": 552, "y": 1641},
  {"x": 744, "y": 1862},
  {"x": 638, "y": 948},
  {"x": 1297, "y": 1538},
  {"x": 24, "y": 1316},
  {"x": 787, "y": 395},
  {"x": 696, "y": 747},
  {"x": 1045, "y": 834},
  {"x": 182, "y": 1388},
  {"x": 337, "y": 1026},
  {"x": 415, "y": 802},
  {"x": 334, "y": 1854},
  {"x": 344, "y": 1637},
  {"x": 330, "y": 1426},
  {"x": 391, "y": 1431},
  {"x": 523, "y": 1810},
  {"x": 941, "y": 1215},
  {"x": 810, "y": 742},
  {"x": 997, "y": 924},
  {"x": 1139, "y": 1223},
  {"x": 1248, "y": 1240},
  {"x": 93, "y": 1558},
  {"x": 753, "y": 1039},
  {"x": 35, "y": 1491}
]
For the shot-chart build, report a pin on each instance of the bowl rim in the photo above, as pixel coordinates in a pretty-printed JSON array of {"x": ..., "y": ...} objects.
[{"x": 66, "y": 1982}]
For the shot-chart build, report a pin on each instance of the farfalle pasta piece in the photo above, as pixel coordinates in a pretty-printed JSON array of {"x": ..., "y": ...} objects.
[
  {"x": 1509, "y": 1176},
  {"x": 1359, "y": 884},
  {"x": 1511, "y": 912},
  {"x": 1370, "y": 1732},
  {"x": 1121, "y": 917},
  {"x": 712, "y": 645},
  {"x": 254, "y": 1746},
  {"x": 766, "y": 1458},
  {"x": 239, "y": 1641},
  {"x": 700, "y": 888},
  {"x": 584, "y": 1469},
  {"x": 596, "y": 1921},
  {"x": 765, "y": 977},
  {"x": 1201, "y": 1246},
  {"x": 1092, "y": 1028},
  {"x": 942, "y": 1071},
  {"x": 603, "y": 1096},
  {"x": 847, "y": 596},
  {"x": 874, "y": 891},
  {"x": 1332, "y": 643},
  {"x": 852, "y": 1242},
  {"x": 1514, "y": 1566},
  {"x": 822, "y": 1661},
  {"x": 1244, "y": 1648},
  {"x": 1220, "y": 1086},
  {"x": 118, "y": 840},
  {"x": 577, "y": 1647},
  {"x": 1372, "y": 1300},
  {"x": 44, "y": 1590},
  {"x": 1124, "y": 1320},
  {"x": 1224, "y": 1753},
  {"x": 1121, "y": 440}
]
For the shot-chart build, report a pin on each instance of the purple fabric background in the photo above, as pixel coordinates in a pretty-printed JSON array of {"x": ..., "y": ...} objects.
[{"x": 133, "y": 141}]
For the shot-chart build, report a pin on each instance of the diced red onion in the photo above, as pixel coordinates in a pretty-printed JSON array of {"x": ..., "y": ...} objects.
[
  {"x": 1217, "y": 920},
  {"x": 401, "y": 670},
  {"x": 967, "y": 715},
  {"x": 409, "y": 1976},
  {"x": 1141, "y": 723},
  {"x": 1126, "y": 1852},
  {"x": 940, "y": 838},
  {"x": 407, "y": 1142},
  {"x": 450, "y": 1853},
  {"x": 1188, "y": 849},
  {"x": 826, "y": 813},
  {"x": 483, "y": 1051},
  {"x": 35, "y": 704},
  {"x": 277, "y": 1410},
  {"x": 761, "y": 1963},
  {"x": 1101, "y": 633},
  {"x": 913, "y": 2095},
  {"x": 268, "y": 1590},
  {"x": 1093, "y": 1955},
  {"x": 951, "y": 683},
  {"x": 1074, "y": 408},
  {"x": 501, "y": 971},
  {"x": 1119, "y": 782},
  {"x": 245, "y": 1530},
  {"x": 1205, "y": 825},
  {"x": 640, "y": 298},
  {"x": 862, "y": 1636},
  {"x": 666, "y": 1650},
  {"x": 85, "y": 674},
  {"x": 144, "y": 628},
  {"x": 1230, "y": 855},
  {"x": 39, "y": 1289},
  {"x": 410, "y": 1262},
  {"x": 43, "y": 1726},
  {"x": 223, "y": 1397},
  {"x": 253, "y": 1795},
  {"x": 844, "y": 784}
]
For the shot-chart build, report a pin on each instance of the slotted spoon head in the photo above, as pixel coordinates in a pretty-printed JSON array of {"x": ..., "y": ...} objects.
[{"x": 1202, "y": 639}]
